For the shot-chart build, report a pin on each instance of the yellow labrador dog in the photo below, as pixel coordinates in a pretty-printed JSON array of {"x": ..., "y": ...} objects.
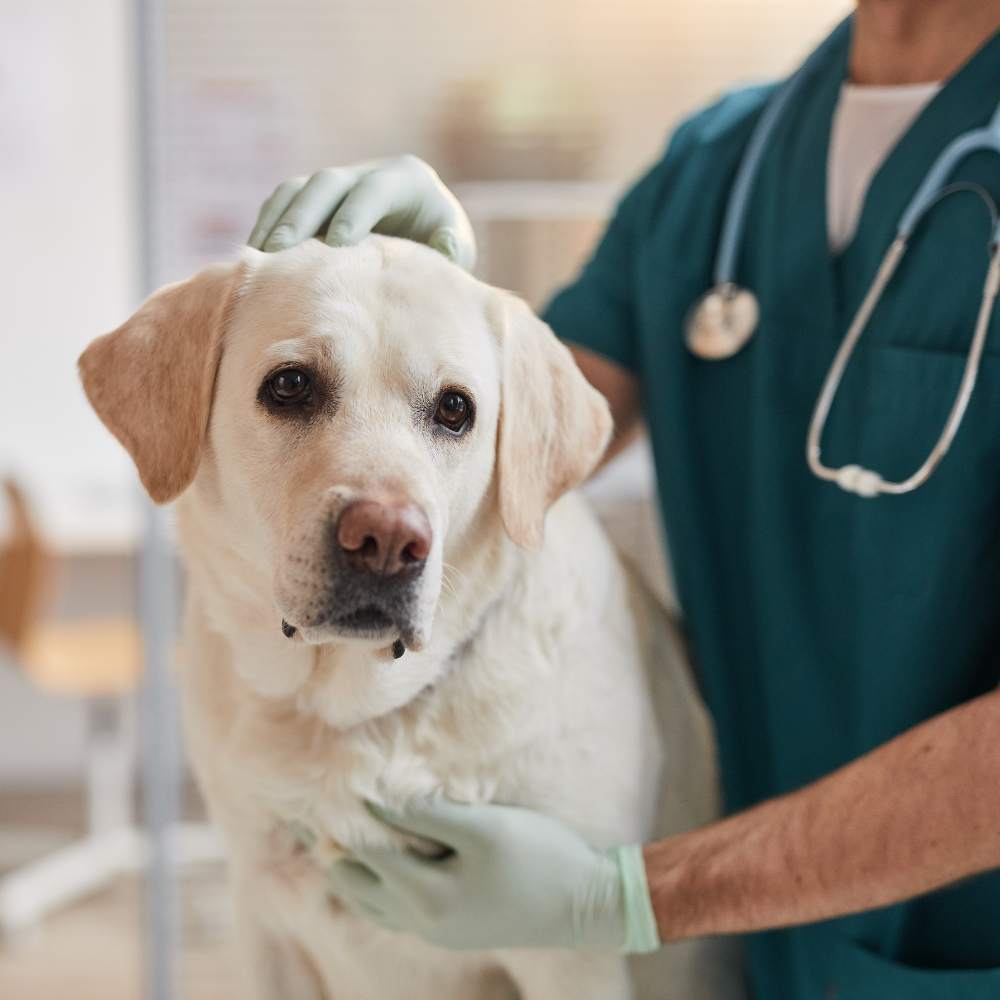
[{"x": 364, "y": 443}]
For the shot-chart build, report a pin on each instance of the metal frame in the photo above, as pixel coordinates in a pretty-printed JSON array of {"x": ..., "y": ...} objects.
[{"x": 157, "y": 576}]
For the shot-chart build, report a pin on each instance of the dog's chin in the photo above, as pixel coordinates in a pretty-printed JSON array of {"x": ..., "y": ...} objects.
[{"x": 369, "y": 627}]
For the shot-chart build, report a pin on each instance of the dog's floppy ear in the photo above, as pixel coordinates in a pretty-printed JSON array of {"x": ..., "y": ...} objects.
[
  {"x": 151, "y": 380},
  {"x": 554, "y": 426}
]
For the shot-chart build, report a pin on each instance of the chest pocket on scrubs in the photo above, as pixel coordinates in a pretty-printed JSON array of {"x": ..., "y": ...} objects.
[
  {"x": 928, "y": 311},
  {"x": 927, "y": 561}
]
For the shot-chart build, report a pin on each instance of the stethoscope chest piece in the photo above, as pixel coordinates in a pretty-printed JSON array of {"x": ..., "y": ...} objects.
[{"x": 721, "y": 322}]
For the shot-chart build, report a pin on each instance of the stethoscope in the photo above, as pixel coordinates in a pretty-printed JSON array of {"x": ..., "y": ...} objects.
[{"x": 725, "y": 318}]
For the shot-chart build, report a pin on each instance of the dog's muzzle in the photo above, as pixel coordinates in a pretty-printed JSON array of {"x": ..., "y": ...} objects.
[{"x": 377, "y": 551}]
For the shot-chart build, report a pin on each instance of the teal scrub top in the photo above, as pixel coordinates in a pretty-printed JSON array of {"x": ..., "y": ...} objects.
[{"x": 822, "y": 624}]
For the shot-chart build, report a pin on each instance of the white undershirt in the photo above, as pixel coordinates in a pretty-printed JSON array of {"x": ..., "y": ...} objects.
[{"x": 867, "y": 123}]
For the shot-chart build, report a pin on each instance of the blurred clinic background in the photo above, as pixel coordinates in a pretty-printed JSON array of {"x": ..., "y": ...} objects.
[{"x": 137, "y": 139}]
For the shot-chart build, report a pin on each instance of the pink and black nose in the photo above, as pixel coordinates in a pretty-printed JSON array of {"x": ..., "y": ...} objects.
[{"x": 383, "y": 538}]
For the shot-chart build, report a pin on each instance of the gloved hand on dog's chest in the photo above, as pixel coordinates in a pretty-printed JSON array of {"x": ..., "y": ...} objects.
[{"x": 510, "y": 878}]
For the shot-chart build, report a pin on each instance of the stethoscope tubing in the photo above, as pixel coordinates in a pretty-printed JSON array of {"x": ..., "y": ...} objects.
[
  {"x": 932, "y": 186},
  {"x": 854, "y": 478},
  {"x": 868, "y": 482},
  {"x": 734, "y": 219}
]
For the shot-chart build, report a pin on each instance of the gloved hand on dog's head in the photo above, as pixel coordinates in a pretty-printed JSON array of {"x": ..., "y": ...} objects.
[{"x": 399, "y": 196}]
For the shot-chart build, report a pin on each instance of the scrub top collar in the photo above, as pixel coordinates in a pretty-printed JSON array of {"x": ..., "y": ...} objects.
[
  {"x": 966, "y": 101},
  {"x": 800, "y": 152}
]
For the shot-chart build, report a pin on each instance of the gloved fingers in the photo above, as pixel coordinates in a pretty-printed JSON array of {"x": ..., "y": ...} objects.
[
  {"x": 366, "y": 205},
  {"x": 353, "y": 881},
  {"x": 457, "y": 243},
  {"x": 377, "y": 874},
  {"x": 457, "y": 825},
  {"x": 311, "y": 207},
  {"x": 444, "y": 240},
  {"x": 273, "y": 209},
  {"x": 453, "y": 234},
  {"x": 389, "y": 199},
  {"x": 362, "y": 891},
  {"x": 377, "y": 916},
  {"x": 404, "y": 872}
]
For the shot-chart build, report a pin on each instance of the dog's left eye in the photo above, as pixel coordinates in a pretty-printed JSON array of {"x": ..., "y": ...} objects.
[
  {"x": 290, "y": 385},
  {"x": 454, "y": 411}
]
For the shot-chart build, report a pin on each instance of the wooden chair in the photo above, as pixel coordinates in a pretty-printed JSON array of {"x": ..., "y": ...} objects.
[
  {"x": 98, "y": 660},
  {"x": 84, "y": 657},
  {"x": 24, "y": 569}
]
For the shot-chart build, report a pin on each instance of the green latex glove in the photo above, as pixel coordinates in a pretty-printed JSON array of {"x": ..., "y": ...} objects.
[
  {"x": 400, "y": 196},
  {"x": 511, "y": 878}
]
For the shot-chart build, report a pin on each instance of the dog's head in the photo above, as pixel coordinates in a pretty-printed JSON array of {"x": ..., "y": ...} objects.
[{"x": 353, "y": 417}]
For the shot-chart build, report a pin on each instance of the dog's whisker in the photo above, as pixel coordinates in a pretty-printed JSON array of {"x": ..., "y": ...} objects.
[{"x": 448, "y": 567}]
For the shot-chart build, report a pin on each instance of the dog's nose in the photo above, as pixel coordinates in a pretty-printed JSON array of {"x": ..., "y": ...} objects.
[{"x": 384, "y": 538}]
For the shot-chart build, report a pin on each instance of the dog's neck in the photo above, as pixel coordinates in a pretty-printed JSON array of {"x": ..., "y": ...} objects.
[{"x": 344, "y": 683}]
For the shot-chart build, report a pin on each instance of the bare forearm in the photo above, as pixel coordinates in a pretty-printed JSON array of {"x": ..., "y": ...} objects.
[
  {"x": 620, "y": 388},
  {"x": 915, "y": 814}
]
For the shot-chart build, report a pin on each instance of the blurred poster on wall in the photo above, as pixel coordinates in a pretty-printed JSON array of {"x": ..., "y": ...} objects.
[{"x": 229, "y": 142}]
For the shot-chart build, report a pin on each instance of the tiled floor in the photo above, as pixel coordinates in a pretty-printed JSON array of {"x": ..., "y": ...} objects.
[{"x": 94, "y": 950}]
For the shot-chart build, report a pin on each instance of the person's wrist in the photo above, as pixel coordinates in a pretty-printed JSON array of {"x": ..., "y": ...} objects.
[{"x": 641, "y": 932}]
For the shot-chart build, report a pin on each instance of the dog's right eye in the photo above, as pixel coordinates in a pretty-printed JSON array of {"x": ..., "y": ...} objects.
[{"x": 287, "y": 387}]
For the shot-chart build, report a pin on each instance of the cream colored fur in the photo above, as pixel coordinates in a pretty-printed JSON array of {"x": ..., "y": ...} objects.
[{"x": 536, "y": 665}]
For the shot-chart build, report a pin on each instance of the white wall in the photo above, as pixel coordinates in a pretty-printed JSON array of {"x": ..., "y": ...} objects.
[
  {"x": 66, "y": 274},
  {"x": 315, "y": 82},
  {"x": 67, "y": 252}
]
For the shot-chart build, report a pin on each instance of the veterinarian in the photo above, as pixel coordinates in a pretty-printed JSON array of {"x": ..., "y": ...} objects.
[{"x": 845, "y": 625}]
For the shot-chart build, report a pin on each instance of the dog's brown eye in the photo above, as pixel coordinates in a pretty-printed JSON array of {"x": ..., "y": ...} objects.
[
  {"x": 290, "y": 385},
  {"x": 454, "y": 411}
]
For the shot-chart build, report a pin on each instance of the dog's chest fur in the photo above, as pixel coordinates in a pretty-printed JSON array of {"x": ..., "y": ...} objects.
[{"x": 538, "y": 707}]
